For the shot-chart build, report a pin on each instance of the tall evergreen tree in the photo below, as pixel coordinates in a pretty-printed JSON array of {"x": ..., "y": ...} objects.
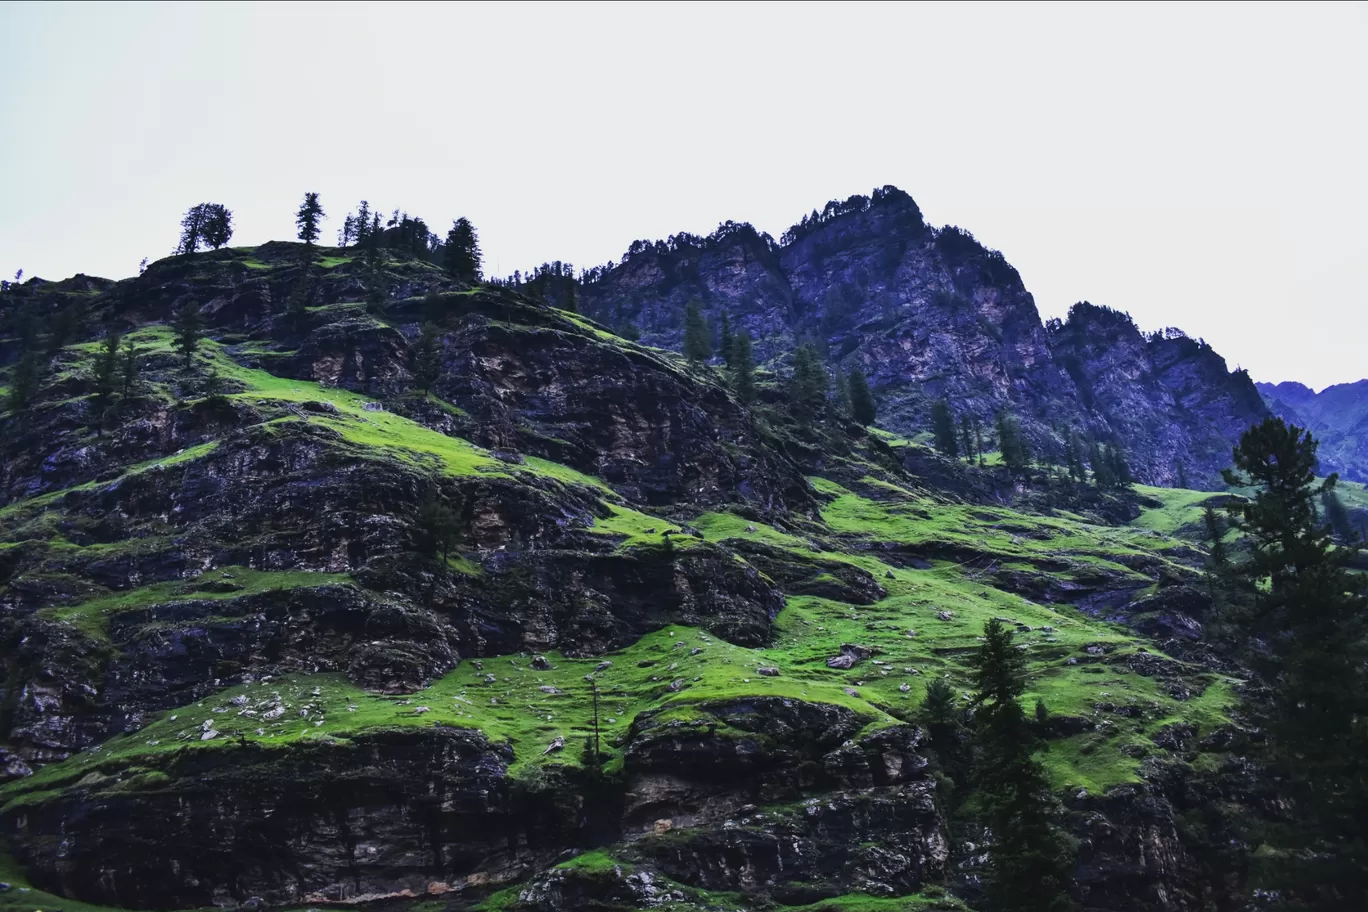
[
  {"x": 437, "y": 527},
  {"x": 725, "y": 339},
  {"x": 841, "y": 393},
  {"x": 1016, "y": 452},
  {"x": 943, "y": 428},
  {"x": 1028, "y": 866},
  {"x": 1073, "y": 457},
  {"x": 743, "y": 368},
  {"x": 189, "y": 326},
  {"x": 1101, "y": 466},
  {"x": 697, "y": 345},
  {"x": 130, "y": 370},
  {"x": 862, "y": 406},
  {"x": 25, "y": 380},
  {"x": 1306, "y": 625},
  {"x": 106, "y": 376},
  {"x": 966, "y": 439},
  {"x": 427, "y": 358},
  {"x": 462, "y": 251},
  {"x": 307, "y": 218},
  {"x": 943, "y": 720},
  {"x": 809, "y": 383}
]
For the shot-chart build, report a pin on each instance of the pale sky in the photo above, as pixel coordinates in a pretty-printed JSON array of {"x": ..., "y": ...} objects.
[{"x": 1197, "y": 166}]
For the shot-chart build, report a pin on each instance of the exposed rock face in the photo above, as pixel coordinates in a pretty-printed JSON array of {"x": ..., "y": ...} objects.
[
  {"x": 327, "y": 636},
  {"x": 1337, "y": 415},
  {"x": 929, "y": 313}
]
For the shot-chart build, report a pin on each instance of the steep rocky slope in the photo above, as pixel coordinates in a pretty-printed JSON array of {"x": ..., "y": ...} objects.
[
  {"x": 239, "y": 670},
  {"x": 930, "y": 313},
  {"x": 1337, "y": 415}
]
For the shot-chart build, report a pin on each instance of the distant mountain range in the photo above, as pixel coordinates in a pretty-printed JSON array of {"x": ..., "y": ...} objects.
[{"x": 1337, "y": 415}]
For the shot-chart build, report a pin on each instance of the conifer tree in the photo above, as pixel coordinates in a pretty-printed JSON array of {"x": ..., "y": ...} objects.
[
  {"x": 808, "y": 385},
  {"x": 307, "y": 218},
  {"x": 1101, "y": 466},
  {"x": 743, "y": 368},
  {"x": 943, "y": 720},
  {"x": 1016, "y": 453},
  {"x": 697, "y": 345},
  {"x": 427, "y": 358},
  {"x": 725, "y": 339},
  {"x": 131, "y": 368},
  {"x": 25, "y": 381},
  {"x": 862, "y": 406},
  {"x": 462, "y": 251},
  {"x": 437, "y": 527},
  {"x": 106, "y": 376},
  {"x": 943, "y": 428},
  {"x": 966, "y": 439},
  {"x": 189, "y": 326},
  {"x": 1028, "y": 858},
  {"x": 1073, "y": 457},
  {"x": 1306, "y": 626}
]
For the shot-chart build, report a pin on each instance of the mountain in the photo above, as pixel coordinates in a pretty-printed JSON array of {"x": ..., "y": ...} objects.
[
  {"x": 928, "y": 313},
  {"x": 1337, "y": 415},
  {"x": 566, "y": 625}
]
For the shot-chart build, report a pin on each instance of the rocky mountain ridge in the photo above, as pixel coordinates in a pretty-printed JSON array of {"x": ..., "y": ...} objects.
[
  {"x": 929, "y": 313},
  {"x": 572, "y": 627}
]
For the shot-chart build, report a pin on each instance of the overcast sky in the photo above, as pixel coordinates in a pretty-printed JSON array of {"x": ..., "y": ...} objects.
[{"x": 1197, "y": 166}]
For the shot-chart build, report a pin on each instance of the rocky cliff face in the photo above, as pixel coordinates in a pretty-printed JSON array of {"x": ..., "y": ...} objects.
[
  {"x": 574, "y": 628},
  {"x": 1337, "y": 415},
  {"x": 930, "y": 313}
]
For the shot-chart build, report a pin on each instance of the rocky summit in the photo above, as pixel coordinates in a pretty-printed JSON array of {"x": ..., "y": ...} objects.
[{"x": 328, "y": 579}]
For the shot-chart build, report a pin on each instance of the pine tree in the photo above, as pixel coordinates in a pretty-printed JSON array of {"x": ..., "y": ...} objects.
[
  {"x": 131, "y": 368},
  {"x": 25, "y": 381},
  {"x": 966, "y": 439},
  {"x": 427, "y": 358},
  {"x": 106, "y": 376},
  {"x": 437, "y": 528},
  {"x": 1016, "y": 453},
  {"x": 1308, "y": 613},
  {"x": 1028, "y": 858},
  {"x": 808, "y": 385},
  {"x": 189, "y": 326},
  {"x": 1073, "y": 457},
  {"x": 978, "y": 441},
  {"x": 307, "y": 218},
  {"x": 943, "y": 428},
  {"x": 297, "y": 307},
  {"x": 1101, "y": 466},
  {"x": 697, "y": 345},
  {"x": 743, "y": 368},
  {"x": 943, "y": 720},
  {"x": 462, "y": 251},
  {"x": 862, "y": 405},
  {"x": 725, "y": 339},
  {"x": 65, "y": 326},
  {"x": 1120, "y": 469}
]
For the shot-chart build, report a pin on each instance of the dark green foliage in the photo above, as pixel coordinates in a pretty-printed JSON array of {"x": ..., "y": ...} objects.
[
  {"x": 1016, "y": 452},
  {"x": 943, "y": 428},
  {"x": 210, "y": 224},
  {"x": 743, "y": 368},
  {"x": 1182, "y": 477},
  {"x": 1028, "y": 859},
  {"x": 966, "y": 438},
  {"x": 1120, "y": 469},
  {"x": 1218, "y": 558},
  {"x": 1073, "y": 457},
  {"x": 189, "y": 327},
  {"x": 307, "y": 218},
  {"x": 106, "y": 376},
  {"x": 1305, "y": 628},
  {"x": 213, "y": 387},
  {"x": 1101, "y": 466},
  {"x": 943, "y": 720},
  {"x": 1337, "y": 517},
  {"x": 631, "y": 332},
  {"x": 461, "y": 252},
  {"x": 130, "y": 370},
  {"x": 65, "y": 326},
  {"x": 697, "y": 344},
  {"x": 862, "y": 406},
  {"x": 726, "y": 341},
  {"x": 377, "y": 286},
  {"x": 438, "y": 528},
  {"x": 26, "y": 379},
  {"x": 808, "y": 385},
  {"x": 427, "y": 358},
  {"x": 297, "y": 307}
]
